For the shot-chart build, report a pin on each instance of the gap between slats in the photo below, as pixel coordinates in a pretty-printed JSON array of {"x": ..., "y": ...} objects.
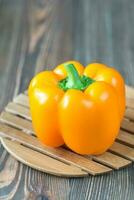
[
  {"x": 111, "y": 160},
  {"x": 17, "y": 122},
  {"x": 17, "y": 109},
  {"x": 122, "y": 150}
]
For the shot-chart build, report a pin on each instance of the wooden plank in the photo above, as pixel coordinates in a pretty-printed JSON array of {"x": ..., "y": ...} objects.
[
  {"x": 122, "y": 150},
  {"x": 17, "y": 109},
  {"x": 58, "y": 153},
  {"x": 130, "y": 103},
  {"x": 127, "y": 125},
  {"x": 129, "y": 92},
  {"x": 126, "y": 138},
  {"x": 112, "y": 160},
  {"x": 22, "y": 99},
  {"x": 40, "y": 161},
  {"x": 129, "y": 113},
  {"x": 17, "y": 122}
]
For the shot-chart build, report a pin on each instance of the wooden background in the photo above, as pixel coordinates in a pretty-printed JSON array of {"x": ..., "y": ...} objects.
[{"x": 37, "y": 35}]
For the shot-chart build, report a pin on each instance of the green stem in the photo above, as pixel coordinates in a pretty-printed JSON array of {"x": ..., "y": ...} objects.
[{"x": 74, "y": 80}]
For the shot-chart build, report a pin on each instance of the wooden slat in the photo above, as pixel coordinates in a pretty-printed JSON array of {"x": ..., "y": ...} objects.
[
  {"x": 126, "y": 138},
  {"x": 111, "y": 160},
  {"x": 129, "y": 113},
  {"x": 22, "y": 99},
  {"x": 17, "y": 122},
  {"x": 129, "y": 92},
  {"x": 18, "y": 110},
  {"x": 122, "y": 150},
  {"x": 130, "y": 103},
  {"x": 58, "y": 153},
  {"x": 127, "y": 125},
  {"x": 40, "y": 161}
]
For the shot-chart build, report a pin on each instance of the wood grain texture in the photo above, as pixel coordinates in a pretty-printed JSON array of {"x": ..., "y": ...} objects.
[{"x": 36, "y": 35}]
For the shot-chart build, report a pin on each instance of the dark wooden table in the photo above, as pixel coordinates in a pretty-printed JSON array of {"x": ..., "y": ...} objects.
[{"x": 36, "y": 35}]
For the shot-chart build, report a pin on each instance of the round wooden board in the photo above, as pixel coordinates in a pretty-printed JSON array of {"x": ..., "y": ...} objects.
[
  {"x": 17, "y": 137},
  {"x": 41, "y": 162}
]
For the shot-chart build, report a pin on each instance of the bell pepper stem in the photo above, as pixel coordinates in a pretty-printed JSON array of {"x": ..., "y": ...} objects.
[{"x": 74, "y": 80}]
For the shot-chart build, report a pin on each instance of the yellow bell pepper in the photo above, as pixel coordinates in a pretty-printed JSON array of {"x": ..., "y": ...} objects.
[{"x": 81, "y": 107}]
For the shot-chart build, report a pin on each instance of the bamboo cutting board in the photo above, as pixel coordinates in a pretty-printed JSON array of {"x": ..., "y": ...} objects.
[{"x": 18, "y": 138}]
